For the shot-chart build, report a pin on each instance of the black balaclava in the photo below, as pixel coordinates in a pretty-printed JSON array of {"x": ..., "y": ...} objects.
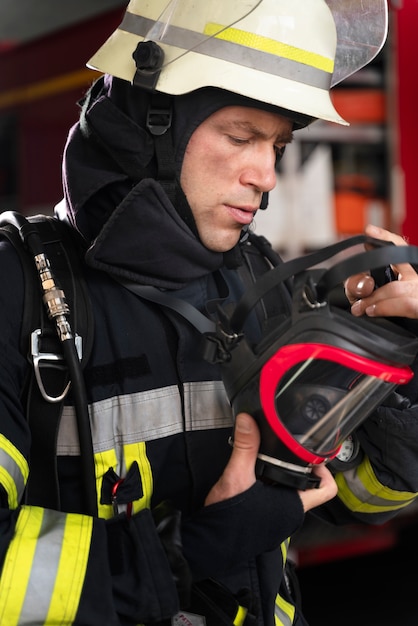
[
  {"x": 189, "y": 111},
  {"x": 108, "y": 157}
]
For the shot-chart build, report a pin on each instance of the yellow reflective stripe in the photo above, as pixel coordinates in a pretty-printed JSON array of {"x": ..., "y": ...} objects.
[
  {"x": 10, "y": 486},
  {"x": 31, "y": 593},
  {"x": 240, "y": 616},
  {"x": 15, "y": 454},
  {"x": 284, "y": 547},
  {"x": 103, "y": 462},
  {"x": 138, "y": 452},
  {"x": 71, "y": 569},
  {"x": 14, "y": 471},
  {"x": 284, "y": 612},
  {"x": 271, "y": 46},
  {"x": 18, "y": 565},
  {"x": 360, "y": 491},
  {"x": 108, "y": 459}
]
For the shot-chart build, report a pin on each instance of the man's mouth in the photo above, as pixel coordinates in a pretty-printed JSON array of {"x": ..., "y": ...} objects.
[{"x": 242, "y": 215}]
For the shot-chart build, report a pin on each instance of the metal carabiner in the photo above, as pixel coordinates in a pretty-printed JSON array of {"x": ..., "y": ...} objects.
[{"x": 50, "y": 357}]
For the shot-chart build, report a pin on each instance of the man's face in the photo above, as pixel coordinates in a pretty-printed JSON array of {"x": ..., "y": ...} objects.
[{"x": 228, "y": 163}]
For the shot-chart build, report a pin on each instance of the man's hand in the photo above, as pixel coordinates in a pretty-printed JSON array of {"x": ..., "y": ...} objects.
[
  {"x": 239, "y": 474},
  {"x": 327, "y": 489},
  {"x": 398, "y": 298}
]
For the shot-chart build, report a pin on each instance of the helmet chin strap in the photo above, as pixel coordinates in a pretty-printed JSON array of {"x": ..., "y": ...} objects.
[
  {"x": 264, "y": 201},
  {"x": 245, "y": 232},
  {"x": 159, "y": 119}
]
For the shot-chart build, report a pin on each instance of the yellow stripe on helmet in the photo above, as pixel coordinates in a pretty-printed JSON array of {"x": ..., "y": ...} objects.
[{"x": 271, "y": 46}]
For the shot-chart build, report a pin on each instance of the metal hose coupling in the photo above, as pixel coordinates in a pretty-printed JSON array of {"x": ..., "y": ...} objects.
[{"x": 53, "y": 298}]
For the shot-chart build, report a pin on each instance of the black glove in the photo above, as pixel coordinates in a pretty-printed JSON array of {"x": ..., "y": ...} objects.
[{"x": 219, "y": 536}]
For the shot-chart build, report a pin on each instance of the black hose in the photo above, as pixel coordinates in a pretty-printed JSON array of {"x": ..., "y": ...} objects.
[
  {"x": 83, "y": 426},
  {"x": 33, "y": 242}
]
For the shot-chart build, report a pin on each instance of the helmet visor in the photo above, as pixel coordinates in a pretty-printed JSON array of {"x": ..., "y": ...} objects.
[{"x": 362, "y": 27}]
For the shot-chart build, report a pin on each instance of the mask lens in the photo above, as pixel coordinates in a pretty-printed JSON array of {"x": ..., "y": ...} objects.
[
  {"x": 314, "y": 395},
  {"x": 320, "y": 403}
]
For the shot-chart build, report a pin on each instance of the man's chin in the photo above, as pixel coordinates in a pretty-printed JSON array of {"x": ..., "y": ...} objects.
[{"x": 222, "y": 244}]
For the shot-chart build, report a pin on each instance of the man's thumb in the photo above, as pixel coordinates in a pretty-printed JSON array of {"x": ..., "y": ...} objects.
[
  {"x": 246, "y": 435},
  {"x": 239, "y": 473}
]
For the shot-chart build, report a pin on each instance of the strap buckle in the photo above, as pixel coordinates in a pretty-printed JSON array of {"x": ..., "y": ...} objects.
[{"x": 159, "y": 120}]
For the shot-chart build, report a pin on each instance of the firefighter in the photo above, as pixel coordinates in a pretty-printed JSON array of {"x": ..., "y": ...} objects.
[{"x": 175, "y": 151}]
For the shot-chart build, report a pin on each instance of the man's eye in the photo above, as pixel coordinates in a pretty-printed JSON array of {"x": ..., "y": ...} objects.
[
  {"x": 238, "y": 140},
  {"x": 279, "y": 152}
]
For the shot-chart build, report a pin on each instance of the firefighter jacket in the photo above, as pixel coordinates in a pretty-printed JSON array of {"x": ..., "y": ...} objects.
[{"x": 160, "y": 424}]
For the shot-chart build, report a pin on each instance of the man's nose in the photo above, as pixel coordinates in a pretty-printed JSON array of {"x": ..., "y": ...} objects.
[{"x": 261, "y": 171}]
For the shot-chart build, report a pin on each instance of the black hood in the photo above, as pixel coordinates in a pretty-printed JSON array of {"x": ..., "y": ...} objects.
[
  {"x": 109, "y": 153},
  {"x": 112, "y": 193},
  {"x": 111, "y": 142}
]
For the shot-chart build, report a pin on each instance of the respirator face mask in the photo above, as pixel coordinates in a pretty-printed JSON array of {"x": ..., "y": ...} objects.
[{"x": 315, "y": 377}]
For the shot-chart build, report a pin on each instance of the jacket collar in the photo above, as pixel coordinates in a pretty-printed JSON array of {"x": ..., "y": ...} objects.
[{"x": 146, "y": 241}]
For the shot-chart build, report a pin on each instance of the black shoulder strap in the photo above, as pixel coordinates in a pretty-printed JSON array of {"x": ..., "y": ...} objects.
[
  {"x": 383, "y": 254},
  {"x": 48, "y": 378},
  {"x": 202, "y": 323}
]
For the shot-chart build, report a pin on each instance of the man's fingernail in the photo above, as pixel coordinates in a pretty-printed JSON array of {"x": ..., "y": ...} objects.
[
  {"x": 371, "y": 228},
  {"x": 243, "y": 424},
  {"x": 361, "y": 283}
]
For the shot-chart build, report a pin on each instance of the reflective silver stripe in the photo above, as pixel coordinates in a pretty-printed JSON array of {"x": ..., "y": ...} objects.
[
  {"x": 13, "y": 471},
  {"x": 31, "y": 593},
  {"x": 148, "y": 415},
  {"x": 230, "y": 51},
  {"x": 206, "y": 406},
  {"x": 360, "y": 490},
  {"x": 283, "y": 612},
  {"x": 36, "y": 605}
]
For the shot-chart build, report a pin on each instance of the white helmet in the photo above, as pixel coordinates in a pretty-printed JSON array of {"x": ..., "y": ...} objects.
[{"x": 279, "y": 52}]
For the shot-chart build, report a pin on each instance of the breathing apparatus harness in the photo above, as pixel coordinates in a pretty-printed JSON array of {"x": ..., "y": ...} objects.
[
  {"x": 313, "y": 379},
  {"x": 309, "y": 382},
  {"x": 60, "y": 345},
  {"x": 57, "y": 341}
]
